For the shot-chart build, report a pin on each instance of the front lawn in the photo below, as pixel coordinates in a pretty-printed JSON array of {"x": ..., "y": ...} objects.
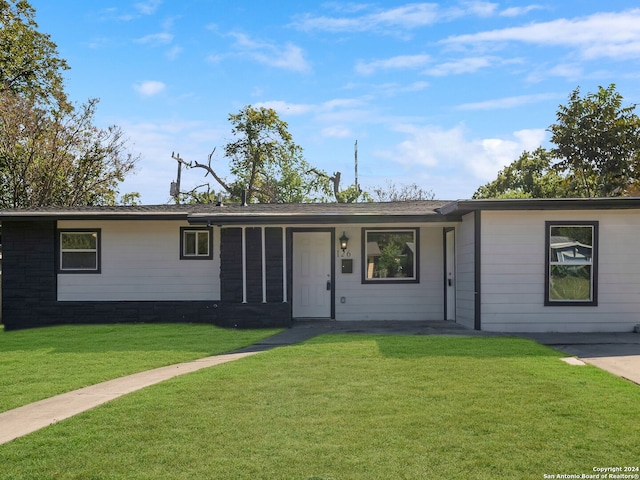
[
  {"x": 354, "y": 407},
  {"x": 42, "y": 362}
]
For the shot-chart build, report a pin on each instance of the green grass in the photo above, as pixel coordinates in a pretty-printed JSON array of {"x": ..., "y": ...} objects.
[
  {"x": 570, "y": 288},
  {"x": 353, "y": 407},
  {"x": 40, "y": 363}
]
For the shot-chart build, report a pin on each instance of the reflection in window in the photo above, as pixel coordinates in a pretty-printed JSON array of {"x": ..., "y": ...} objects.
[
  {"x": 79, "y": 251},
  {"x": 571, "y": 262},
  {"x": 390, "y": 255},
  {"x": 196, "y": 243}
]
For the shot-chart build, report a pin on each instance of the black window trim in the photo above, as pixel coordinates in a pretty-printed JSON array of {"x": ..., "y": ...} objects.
[
  {"x": 594, "y": 263},
  {"x": 98, "y": 232},
  {"x": 416, "y": 277},
  {"x": 196, "y": 229}
]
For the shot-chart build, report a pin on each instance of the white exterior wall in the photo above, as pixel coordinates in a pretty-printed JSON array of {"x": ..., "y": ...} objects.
[
  {"x": 140, "y": 260},
  {"x": 513, "y": 271},
  {"x": 465, "y": 272},
  {"x": 387, "y": 301}
]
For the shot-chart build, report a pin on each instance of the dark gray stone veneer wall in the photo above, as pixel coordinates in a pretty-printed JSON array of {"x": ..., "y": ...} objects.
[
  {"x": 254, "y": 313},
  {"x": 29, "y": 286}
]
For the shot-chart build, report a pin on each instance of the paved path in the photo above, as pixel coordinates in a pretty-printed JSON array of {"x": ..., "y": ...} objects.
[
  {"x": 29, "y": 418},
  {"x": 617, "y": 353}
]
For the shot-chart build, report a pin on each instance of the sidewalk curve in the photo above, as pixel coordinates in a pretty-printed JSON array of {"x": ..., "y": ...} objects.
[
  {"x": 34, "y": 416},
  {"x": 617, "y": 353}
]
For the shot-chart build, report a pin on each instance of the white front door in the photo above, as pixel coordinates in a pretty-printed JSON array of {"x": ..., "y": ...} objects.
[
  {"x": 450, "y": 272},
  {"x": 311, "y": 275}
]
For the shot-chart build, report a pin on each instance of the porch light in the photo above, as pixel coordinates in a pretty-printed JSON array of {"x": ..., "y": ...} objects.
[{"x": 344, "y": 241}]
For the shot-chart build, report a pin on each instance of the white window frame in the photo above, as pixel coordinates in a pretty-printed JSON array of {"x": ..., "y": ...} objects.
[
  {"x": 184, "y": 231},
  {"x": 96, "y": 232}
]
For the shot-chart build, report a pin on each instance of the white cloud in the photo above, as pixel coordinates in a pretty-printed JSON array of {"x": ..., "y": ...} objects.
[
  {"x": 156, "y": 140},
  {"x": 215, "y": 58},
  {"x": 288, "y": 108},
  {"x": 393, "y": 20},
  {"x": 612, "y": 35},
  {"x": 392, "y": 89},
  {"x": 481, "y": 9},
  {"x": 147, "y": 8},
  {"x": 388, "y": 89},
  {"x": 568, "y": 71},
  {"x": 406, "y": 17},
  {"x": 518, "y": 11},
  {"x": 282, "y": 107},
  {"x": 508, "y": 102},
  {"x": 149, "y": 88},
  {"x": 288, "y": 57},
  {"x": 464, "y": 65},
  {"x": 438, "y": 149},
  {"x": 337, "y": 131},
  {"x": 173, "y": 53},
  {"x": 338, "y": 103},
  {"x": 156, "y": 39},
  {"x": 393, "y": 63}
]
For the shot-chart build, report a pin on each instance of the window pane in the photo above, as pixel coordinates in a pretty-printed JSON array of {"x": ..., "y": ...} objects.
[
  {"x": 189, "y": 243},
  {"x": 571, "y": 244},
  {"x": 79, "y": 261},
  {"x": 390, "y": 255},
  {"x": 79, "y": 241},
  {"x": 203, "y": 243},
  {"x": 570, "y": 282}
]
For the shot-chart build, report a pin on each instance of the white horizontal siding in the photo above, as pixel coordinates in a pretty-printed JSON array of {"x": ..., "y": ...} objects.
[
  {"x": 388, "y": 301},
  {"x": 465, "y": 268},
  {"x": 141, "y": 261},
  {"x": 513, "y": 266}
]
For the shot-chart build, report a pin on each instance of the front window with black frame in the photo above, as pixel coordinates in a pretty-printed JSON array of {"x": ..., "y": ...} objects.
[
  {"x": 390, "y": 255},
  {"x": 571, "y": 263},
  {"x": 79, "y": 251},
  {"x": 196, "y": 243}
]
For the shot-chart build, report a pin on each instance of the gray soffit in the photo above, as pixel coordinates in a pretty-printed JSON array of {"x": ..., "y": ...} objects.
[
  {"x": 462, "y": 207},
  {"x": 316, "y": 213}
]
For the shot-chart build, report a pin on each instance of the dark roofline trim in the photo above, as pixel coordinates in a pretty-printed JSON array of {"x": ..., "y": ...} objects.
[
  {"x": 322, "y": 219},
  {"x": 253, "y": 219},
  {"x": 462, "y": 207},
  {"x": 39, "y": 216},
  {"x": 450, "y": 212}
]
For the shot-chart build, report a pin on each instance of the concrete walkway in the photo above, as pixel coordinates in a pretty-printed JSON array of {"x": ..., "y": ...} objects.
[
  {"x": 617, "y": 353},
  {"x": 29, "y": 418}
]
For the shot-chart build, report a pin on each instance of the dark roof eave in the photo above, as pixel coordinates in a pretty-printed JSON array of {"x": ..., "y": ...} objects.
[
  {"x": 37, "y": 216},
  {"x": 462, "y": 207},
  {"x": 249, "y": 219}
]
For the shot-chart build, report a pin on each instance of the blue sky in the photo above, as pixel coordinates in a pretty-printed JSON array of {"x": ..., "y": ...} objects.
[{"x": 440, "y": 94}]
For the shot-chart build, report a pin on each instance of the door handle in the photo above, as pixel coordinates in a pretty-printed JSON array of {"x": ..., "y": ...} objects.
[
  {"x": 328, "y": 284},
  {"x": 449, "y": 282}
]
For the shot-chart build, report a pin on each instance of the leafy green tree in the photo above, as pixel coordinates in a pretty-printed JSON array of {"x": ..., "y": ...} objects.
[
  {"x": 51, "y": 153},
  {"x": 531, "y": 176},
  {"x": 59, "y": 158},
  {"x": 29, "y": 61},
  {"x": 597, "y": 143},
  {"x": 596, "y": 153},
  {"x": 331, "y": 187},
  {"x": 390, "y": 192},
  {"x": 265, "y": 163}
]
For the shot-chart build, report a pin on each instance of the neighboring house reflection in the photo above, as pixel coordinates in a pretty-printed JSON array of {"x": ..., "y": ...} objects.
[{"x": 569, "y": 250}]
